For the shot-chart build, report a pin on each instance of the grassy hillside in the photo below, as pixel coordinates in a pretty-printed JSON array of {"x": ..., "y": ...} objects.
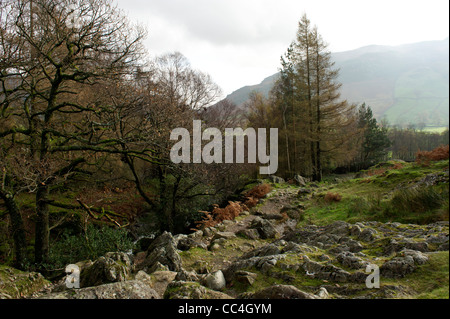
[
  {"x": 406, "y": 84},
  {"x": 392, "y": 191}
]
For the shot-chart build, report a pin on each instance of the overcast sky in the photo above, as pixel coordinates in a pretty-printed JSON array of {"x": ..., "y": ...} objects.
[{"x": 239, "y": 42}]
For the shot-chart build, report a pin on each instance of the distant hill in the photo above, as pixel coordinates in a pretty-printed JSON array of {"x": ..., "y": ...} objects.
[{"x": 406, "y": 84}]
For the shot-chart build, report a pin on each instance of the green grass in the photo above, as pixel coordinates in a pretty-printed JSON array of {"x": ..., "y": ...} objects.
[
  {"x": 384, "y": 193},
  {"x": 429, "y": 281}
]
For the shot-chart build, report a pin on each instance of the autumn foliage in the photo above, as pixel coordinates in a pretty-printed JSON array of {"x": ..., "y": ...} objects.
[
  {"x": 332, "y": 197},
  {"x": 233, "y": 209},
  {"x": 438, "y": 154}
]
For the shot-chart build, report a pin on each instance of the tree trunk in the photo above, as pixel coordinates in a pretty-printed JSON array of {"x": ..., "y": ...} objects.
[
  {"x": 17, "y": 229},
  {"x": 41, "y": 249}
]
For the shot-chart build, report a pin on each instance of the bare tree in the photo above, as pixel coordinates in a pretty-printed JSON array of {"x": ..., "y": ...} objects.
[{"x": 54, "y": 56}]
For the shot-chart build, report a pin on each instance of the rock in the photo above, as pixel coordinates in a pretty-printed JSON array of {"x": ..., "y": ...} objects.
[
  {"x": 215, "y": 281},
  {"x": 276, "y": 179},
  {"x": 419, "y": 257},
  {"x": 163, "y": 251},
  {"x": 264, "y": 227},
  {"x": 16, "y": 284},
  {"x": 261, "y": 263},
  {"x": 281, "y": 292},
  {"x": 299, "y": 180},
  {"x": 224, "y": 235},
  {"x": 398, "y": 267},
  {"x": 248, "y": 233},
  {"x": 292, "y": 247},
  {"x": 323, "y": 293},
  {"x": 131, "y": 289},
  {"x": 303, "y": 191},
  {"x": 273, "y": 216},
  {"x": 368, "y": 235},
  {"x": 339, "y": 228},
  {"x": 207, "y": 232},
  {"x": 158, "y": 281},
  {"x": 144, "y": 242},
  {"x": 325, "y": 272},
  {"x": 293, "y": 212},
  {"x": 267, "y": 250},
  {"x": 440, "y": 238},
  {"x": 184, "y": 275},
  {"x": 245, "y": 277},
  {"x": 192, "y": 290},
  {"x": 187, "y": 243},
  {"x": 113, "y": 267},
  {"x": 348, "y": 259}
]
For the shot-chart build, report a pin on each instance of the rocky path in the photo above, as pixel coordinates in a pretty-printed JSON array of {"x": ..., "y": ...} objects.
[{"x": 265, "y": 254}]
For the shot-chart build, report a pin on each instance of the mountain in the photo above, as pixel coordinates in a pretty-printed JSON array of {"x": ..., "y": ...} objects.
[{"x": 404, "y": 84}]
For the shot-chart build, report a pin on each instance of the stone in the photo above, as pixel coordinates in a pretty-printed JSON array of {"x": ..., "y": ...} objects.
[
  {"x": 192, "y": 290},
  {"x": 299, "y": 180},
  {"x": 248, "y": 233},
  {"x": 419, "y": 257},
  {"x": 323, "y": 293},
  {"x": 131, "y": 289},
  {"x": 348, "y": 259},
  {"x": 267, "y": 250},
  {"x": 281, "y": 292},
  {"x": 303, "y": 191},
  {"x": 163, "y": 251},
  {"x": 187, "y": 243},
  {"x": 367, "y": 235},
  {"x": 276, "y": 179},
  {"x": 340, "y": 228},
  {"x": 245, "y": 277},
  {"x": 398, "y": 267},
  {"x": 224, "y": 235},
  {"x": 16, "y": 284},
  {"x": 113, "y": 267},
  {"x": 264, "y": 227},
  {"x": 215, "y": 281},
  {"x": 158, "y": 280}
]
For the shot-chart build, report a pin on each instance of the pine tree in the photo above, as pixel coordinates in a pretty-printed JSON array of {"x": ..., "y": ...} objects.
[
  {"x": 309, "y": 88},
  {"x": 375, "y": 138}
]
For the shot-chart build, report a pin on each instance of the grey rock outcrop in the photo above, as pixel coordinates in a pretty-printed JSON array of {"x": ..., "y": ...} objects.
[{"x": 162, "y": 251}]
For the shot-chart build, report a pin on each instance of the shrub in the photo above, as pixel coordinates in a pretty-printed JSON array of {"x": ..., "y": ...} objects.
[
  {"x": 259, "y": 191},
  {"x": 92, "y": 244},
  {"x": 438, "y": 154},
  {"x": 332, "y": 197}
]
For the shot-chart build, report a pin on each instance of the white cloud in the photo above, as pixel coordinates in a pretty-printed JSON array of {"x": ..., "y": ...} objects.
[{"x": 239, "y": 42}]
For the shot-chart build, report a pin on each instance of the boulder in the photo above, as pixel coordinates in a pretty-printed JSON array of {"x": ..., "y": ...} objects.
[
  {"x": 248, "y": 233},
  {"x": 245, "y": 277},
  {"x": 276, "y": 179},
  {"x": 264, "y": 227},
  {"x": 398, "y": 267},
  {"x": 158, "y": 281},
  {"x": 162, "y": 251},
  {"x": 281, "y": 292},
  {"x": 368, "y": 235},
  {"x": 192, "y": 290},
  {"x": 113, "y": 267},
  {"x": 299, "y": 180},
  {"x": 215, "y": 281},
  {"x": 131, "y": 289},
  {"x": 16, "y": 284},
  {"x": 224, "y": 235},
  {"x": 348, "y": 259}
]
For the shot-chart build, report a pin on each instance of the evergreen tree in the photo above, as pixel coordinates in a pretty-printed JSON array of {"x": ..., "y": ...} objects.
[
  {"x": 309, "y": 99},
  {"x": 375, "y": 137}
]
